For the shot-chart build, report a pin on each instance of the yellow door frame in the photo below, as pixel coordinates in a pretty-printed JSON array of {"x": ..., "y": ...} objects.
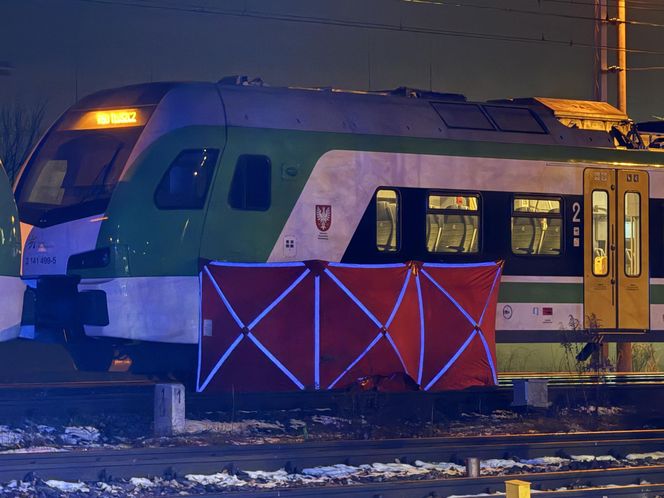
[{"x": 616, "y": 280}]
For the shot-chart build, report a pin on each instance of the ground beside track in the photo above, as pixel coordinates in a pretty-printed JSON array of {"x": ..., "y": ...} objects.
[{"x": 418, "y": 478}]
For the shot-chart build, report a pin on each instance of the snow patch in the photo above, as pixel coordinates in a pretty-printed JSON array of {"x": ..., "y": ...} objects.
[
  {"x": 297, "y": 424},
  {"x": 330, "y": 420},
  {"x": 10, "y": 437},
  {"x": 394, "y": 469},
  {"x": 141, "y": 482},
  {"x": 558, "y": 461},
  {"x": 80, "y": 435},
  {"x": 219, "y": 479},
  {"x": 445, "y": 467},
  {"x": 239, "y": 427},
  {"x": 34, "y": 449},
  {"x": 655, "y": 455},
  {"x": 498, "y": 464},
  {"x": 67, "y": 487},
  {"x": 340, "y": 471}
]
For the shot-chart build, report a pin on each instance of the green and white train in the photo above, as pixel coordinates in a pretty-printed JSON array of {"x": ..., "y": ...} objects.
[
  {"x": 11, "y": 286},
  {"x": 133, "y": 187}
]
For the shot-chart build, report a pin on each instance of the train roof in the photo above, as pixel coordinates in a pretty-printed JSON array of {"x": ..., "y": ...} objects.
[
  {"x": 652, "y": 127},
  {"x": 403, "y": 112}
]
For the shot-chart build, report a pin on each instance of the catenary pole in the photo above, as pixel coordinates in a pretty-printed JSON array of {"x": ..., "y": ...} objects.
[
  {"x": 601, "y": 63},
  {"x": 624, "y": 350},
  {"x": 622, "y": 56}
]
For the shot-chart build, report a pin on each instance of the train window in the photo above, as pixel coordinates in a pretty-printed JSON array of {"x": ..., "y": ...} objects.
[
  {"x": 465, "y": 116},
  {"x": 388, "y": 217},
  {"x": 632, "y": 234},
  {"x": 600, "y": 232},
  {"x": 515, "y": 119},
  {"x": 537, "y": 226},
  {"x": 251, "y": 187},
  {"x": 186, "y": 183},
  {"x": 453, "y": 223}
]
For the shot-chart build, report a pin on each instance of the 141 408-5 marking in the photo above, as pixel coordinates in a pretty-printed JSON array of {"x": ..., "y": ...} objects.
[{"x": 39, "y": 260}]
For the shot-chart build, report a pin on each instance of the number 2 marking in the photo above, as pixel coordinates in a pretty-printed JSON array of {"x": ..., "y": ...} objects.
[{"x": 576, "y": 210}]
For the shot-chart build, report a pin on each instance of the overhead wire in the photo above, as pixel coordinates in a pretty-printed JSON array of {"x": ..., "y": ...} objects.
[
  {"x": 361, "y": 24},
  {"x": 456, "y": 4},
  {"x": 633, "y": 4}
]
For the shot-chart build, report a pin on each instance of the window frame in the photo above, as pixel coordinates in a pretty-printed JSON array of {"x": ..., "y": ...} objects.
[
  {"x": 640, "y": 233},
  {"x": 487, "y": 109},
  {"x": 592, "y": 232},
  {"x": 398, "y": 224},
  {"x": 520, "y": 214},
  {"x": 214, "y": 150},
  {"x": 489, "y": 121},
  {"x": 269, "y": 190},
  {"x": 479, "y": 213}
]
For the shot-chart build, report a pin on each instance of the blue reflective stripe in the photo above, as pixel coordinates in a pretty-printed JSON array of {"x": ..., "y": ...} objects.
[
  {"x": 459, "y": 265},
  {"x": 274, "y": 360},
  {"x": 223, "y": 298},
  {"x": 449, "y": 296},
  {"x": 288, "y": 264},
  {"x": 396, "y": 350},
  {"x": 421, "y": 308},
  {"x": 488, "y": 298},
  {"x": 371, "y": 345},
  {"x": 278, "y": 299},
  {"x": 452, "y": 360},
  {"x": 317, "y": 332},
  {"x": 200, "y": 331},
  {"x": 352, "y": 265},
  {"x": 354, "y": 299},
  {"x": 398, "y": 304},
  {"x": 221, "y": 361},
  {"x": 488, "y": 357}
]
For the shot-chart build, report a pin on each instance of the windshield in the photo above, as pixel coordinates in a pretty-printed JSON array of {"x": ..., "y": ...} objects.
[
  {"x": 73, "y": 173},
  {"x": 75, "y": 168}
]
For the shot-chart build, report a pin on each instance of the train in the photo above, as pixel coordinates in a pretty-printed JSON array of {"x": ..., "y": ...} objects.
[
  {"x": 12, "y": 287},
  {"x": 132, "y": 188}
]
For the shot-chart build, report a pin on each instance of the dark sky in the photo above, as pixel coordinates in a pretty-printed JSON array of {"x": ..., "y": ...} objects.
[{"x": 64, "y": 48}]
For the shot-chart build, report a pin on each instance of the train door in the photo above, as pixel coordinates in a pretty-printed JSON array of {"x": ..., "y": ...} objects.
[{"x": 616, "y": 260}]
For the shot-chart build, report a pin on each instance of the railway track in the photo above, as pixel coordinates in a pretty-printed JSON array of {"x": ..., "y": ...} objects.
[
  {"x": 17, "y": 400},
  {"x": 628, "y": 482},
  {"x": 92, "y": 465}
]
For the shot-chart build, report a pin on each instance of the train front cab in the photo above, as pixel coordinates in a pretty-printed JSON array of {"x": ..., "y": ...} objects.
[
  {"x": 616, "y": 279},
  {"x": 11, "y": 286},
  {"x": 107, "y": 268}
]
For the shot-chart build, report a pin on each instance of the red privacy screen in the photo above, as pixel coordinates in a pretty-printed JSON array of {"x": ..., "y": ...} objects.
[{"x": 315, "y": 325}]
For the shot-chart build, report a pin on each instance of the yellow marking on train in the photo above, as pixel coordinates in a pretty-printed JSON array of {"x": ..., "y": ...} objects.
[
  {"x": 110, "y": 118},
  {"x": 123, "y": 116}
]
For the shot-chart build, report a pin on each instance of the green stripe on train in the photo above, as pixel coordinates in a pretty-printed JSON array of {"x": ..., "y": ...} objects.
[
  {"x": 657, "y": 294},
  {"x": 10, "y": 238},
  {"x": 529, "y": 292},
  {"x": 223, "y": 233}
]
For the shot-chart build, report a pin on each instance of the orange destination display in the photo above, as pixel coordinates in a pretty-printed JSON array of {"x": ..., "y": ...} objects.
[
  {"x": 316, "y": 325},
  {"x": 106, "y": 118}
]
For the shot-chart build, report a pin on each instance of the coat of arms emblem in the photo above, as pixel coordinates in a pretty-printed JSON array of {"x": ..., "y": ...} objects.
[{"x": 323, "y": 217}]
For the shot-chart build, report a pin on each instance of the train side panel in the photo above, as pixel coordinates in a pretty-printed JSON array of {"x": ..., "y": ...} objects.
[{"x": 11, "y": 286}]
